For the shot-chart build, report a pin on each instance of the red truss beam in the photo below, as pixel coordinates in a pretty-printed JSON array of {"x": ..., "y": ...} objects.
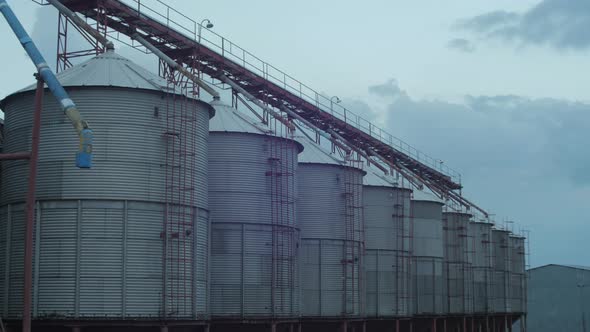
[{"x": 126, "y": 19}]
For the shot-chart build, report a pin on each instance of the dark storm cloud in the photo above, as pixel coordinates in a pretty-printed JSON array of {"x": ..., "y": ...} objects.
[
  {"x": 562, "y": 24},
  {"x": 461, "y": 44}
]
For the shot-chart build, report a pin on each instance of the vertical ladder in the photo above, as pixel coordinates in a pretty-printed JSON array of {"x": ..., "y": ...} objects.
[
  {"x": 354, "y": 238},
  {"x": 179, "y": 293},
  {"x": 281, "y": 159}
]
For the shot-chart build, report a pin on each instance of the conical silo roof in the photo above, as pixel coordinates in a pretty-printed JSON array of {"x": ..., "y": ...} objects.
[
  {"x": 426, "y": 196},
  {"x": 110, "y": 69},
  {"x": 315, "y": 154},
  {"x": 228, "y": 119}
]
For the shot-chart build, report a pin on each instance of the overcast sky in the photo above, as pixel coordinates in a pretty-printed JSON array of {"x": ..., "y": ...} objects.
[{"x": 497, "y": 89}]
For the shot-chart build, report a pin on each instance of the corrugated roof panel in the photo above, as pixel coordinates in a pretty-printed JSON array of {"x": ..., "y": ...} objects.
[
  {"x": 315, "y": 154},
  {"x": 110, "y": 69},
  {"x": 228, "y": 119}
]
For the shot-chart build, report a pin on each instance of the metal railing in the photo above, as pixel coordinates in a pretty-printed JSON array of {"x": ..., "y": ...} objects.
[{"x": 174, "y": 19}]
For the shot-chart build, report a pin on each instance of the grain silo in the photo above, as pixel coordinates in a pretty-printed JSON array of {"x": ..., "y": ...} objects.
[
  {"x": 127, "y": 239},
  {"x": 501, "y": 271},
  {"x": 517, "y": 274},
  {"x": 387, "y": 238},
  {"x": 429, "y": 287},
  {"x": 457, "y": 263},
  {"x": 254, "y": 234},
  {"x": 329, "y": 210},
  {"x": 481, "y": 237}
]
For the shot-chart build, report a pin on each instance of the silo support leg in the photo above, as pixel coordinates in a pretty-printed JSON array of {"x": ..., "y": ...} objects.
[
  {"x": 344, "y": 327},
  {"x": 207, "y": 328},
  {"x": 163, "y": 328},
  {"x": 76, "y": 329},
  {"x": 364, "y": 327},
  {"x": 299, "y": 328},
  {"x": 273, "y": 327}
]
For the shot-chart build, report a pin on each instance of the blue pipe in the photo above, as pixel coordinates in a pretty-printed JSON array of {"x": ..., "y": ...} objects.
[{"x": 84, "y": 156}]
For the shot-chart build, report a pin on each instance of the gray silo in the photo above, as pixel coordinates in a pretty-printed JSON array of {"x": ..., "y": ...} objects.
[
  {"x": 457, "y": 263},
  {"x": 517, "y": 274},
  {"x": 481, "y": 238},
  {"x": 329, "y": 210},
  {"x": 428, "y": 253},
  {"x": 105, "y": 244},
  {"x": 387, "y": 241},
  {"x": 254, "y": 234},
  {"x": 501, "y": 271}
]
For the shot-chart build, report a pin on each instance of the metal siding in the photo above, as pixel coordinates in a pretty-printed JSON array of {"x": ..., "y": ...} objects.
[
  {"x": 3, "y": 258},
  {"x": 481, "y": 236},
  {"x": 458, "y": 263},
  {"x": 428, "y": 254},
  {"x": 57, "y": 269},
  {"x": 501, "y": 271},
  {"x": 128, "y": 148},
  {"x": 387, "y": 259},
  {"x": 517, "y": 274},
  {"x": 320, "y": 212},
  {"x": 241, "y": 204},
  {"x": 85, "y": 229},
  {"x": 15, "y": 280}
]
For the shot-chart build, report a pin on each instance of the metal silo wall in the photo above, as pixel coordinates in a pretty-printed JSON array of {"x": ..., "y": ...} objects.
[
  {"x": 320, "y": 212},
  {"x": 429, "y": 287},
  {"x": 387, "y": 256},
  {"x": 517, "y": 274},
  {"x": 501, "y": 271},
  {"x": 242, "y": 230},
  {"x": 481, "y": 235},
  {"x": 98, "y": 249},
  {"x": 458, "y": 263}
]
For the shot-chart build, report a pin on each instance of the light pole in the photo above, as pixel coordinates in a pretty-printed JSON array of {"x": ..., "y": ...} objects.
[
  {"x": 208, "y": 26},
  {"x": 332, "y": 101}
]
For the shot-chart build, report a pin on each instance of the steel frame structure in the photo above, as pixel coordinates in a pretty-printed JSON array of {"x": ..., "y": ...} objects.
[
  {"x": 217, "y": 57},
  {"x": 343, "y": 127}
]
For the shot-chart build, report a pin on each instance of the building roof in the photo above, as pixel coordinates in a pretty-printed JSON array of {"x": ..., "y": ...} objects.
[
  {"x": 576, "y": 267},
  {"x": 110, "y": 70}
]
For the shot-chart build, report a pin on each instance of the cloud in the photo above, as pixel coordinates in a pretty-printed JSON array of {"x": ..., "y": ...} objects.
[
  {"x": 461, "y": 44},
  {"x": 544, "y": 134},
  {"x": 556, "y": 23},
  {"x": 519, "y": 157}
]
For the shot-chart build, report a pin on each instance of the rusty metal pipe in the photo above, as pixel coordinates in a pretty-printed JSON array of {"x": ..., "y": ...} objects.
[
  {"x": 30, "y": 208},
  {"x": 15, "y": 156}
]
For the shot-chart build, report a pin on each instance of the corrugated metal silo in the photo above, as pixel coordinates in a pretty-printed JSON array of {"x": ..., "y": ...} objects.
[
  {"x": 254, "y": 234},
  {"x": 99, "y": 242},
  {"x": 458, "y": 263},
  {"x": 429, "y": 286},
  {"x": 501, "y": 271},
  {"x": 481, "y": 236},
  {"x": 387, "y": 255},
  {"x": 517, "y": 274},
  {"x": 329, "y": 210}
]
